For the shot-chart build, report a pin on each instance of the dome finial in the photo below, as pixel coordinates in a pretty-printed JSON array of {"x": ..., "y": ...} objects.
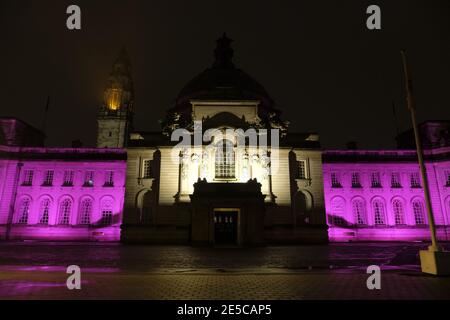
[{"x": 224, "y": 53}]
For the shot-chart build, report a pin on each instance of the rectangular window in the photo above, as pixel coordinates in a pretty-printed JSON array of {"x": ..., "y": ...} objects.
[
  {"x": 48, "y": 178},
  {"x": 339, "y": 221},
  {"x": 415, "y": 180},
  {"x": 68, "y": 179},
  {"x": 44, "y": 212},
  {"x": 147, "y": 169},
  {"x": 378, "y": 219},
  {"x": 378, "y": 213},
  {"x": 419, "y": 217},
  {"x": 356, "y": 180},
  {"x": 225, "y": 161},
  {"x": 109, "y": 179},
  {"x": 28, "y": 178},
  {"x": 335, "y": 182},
  {"x": 358, "y": 210},
  {"x": 375, "y": 180},
  {"x": 395, "y": 180},
  {"x": 106, "y": 217},
  {"x": 302, "y": 169},
  {"x": 89, "y": 179},
  {"x": 24, "y": 211}
]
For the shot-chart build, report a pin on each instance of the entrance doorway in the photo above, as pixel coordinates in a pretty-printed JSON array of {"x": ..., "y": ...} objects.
[{"x": 226, "y": 227}]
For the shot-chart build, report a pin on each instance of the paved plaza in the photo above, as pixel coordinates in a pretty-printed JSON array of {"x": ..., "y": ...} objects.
[{"x": 114, "y": 271}]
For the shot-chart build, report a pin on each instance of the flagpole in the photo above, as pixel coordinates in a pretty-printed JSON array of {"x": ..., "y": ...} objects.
[{"x": 412, "y": 109}]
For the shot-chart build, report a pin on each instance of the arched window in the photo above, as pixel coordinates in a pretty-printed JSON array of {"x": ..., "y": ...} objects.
[
  {"x": 378, "y": 213},
  {"x": 65, "y": 209},
  {"x": 359, "y": 212},
  {"x": 24, "y": 210},
  {"x": 397, "y": 208},
  {"x": 419, "y": 216},
  {"x": 107, "y": 212},
  {"x": 225, "y": 160},
  {"x": 85, "y": 212},
  {"x": 44, "y": 211},
  {"x": 338, "y": 212}
]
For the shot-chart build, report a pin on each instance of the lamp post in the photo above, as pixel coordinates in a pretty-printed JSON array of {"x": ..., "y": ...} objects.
[{"x": 433, "y": 260}]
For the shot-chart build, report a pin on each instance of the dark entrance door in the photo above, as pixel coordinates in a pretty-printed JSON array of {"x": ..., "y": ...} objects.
[{"x": 225, "y": 227}]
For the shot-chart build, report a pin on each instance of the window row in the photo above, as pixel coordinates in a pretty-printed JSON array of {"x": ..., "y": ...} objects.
[
  {"x": 375, "y": 180},
  {"x": 378, "y": 213},
  {"x": 64, "y": 212},
  {"x": 68, "y": 178}
]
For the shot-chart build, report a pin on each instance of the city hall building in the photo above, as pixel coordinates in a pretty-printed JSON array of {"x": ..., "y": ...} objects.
[
  {"x": 252, "y": 182},
  {"x": 217, "y": 191}
]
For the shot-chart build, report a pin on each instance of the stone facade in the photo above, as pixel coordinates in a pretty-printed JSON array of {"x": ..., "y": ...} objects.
[
  {"x": 378, "y": 195},
  {"x": 61, "y": 193},
  {"x": 212, "y": 202},
  {"x": 162, "y": 204},
  {"x": 159, "y": 208},
  {"x": 112, "y": 129}
]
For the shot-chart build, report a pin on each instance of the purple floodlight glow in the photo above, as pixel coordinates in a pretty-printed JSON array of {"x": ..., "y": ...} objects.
[
  {"x": 378, "y": 195},
  {"x": 62, "y": 193}
]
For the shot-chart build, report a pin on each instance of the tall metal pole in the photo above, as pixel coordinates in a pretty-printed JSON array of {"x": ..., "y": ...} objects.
[{"x": 412, "y": 110}]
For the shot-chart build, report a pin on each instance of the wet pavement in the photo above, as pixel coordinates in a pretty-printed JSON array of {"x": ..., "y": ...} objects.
[
  {"x": 31, "y": 270},
  {"x": 147, "y": 258}
]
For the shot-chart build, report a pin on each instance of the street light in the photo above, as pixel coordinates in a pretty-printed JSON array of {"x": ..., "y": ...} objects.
[{"x": 434, "y": 260}]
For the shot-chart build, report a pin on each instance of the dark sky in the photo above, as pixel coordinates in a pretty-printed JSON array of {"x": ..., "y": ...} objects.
[{"x": 317, "y": 60}]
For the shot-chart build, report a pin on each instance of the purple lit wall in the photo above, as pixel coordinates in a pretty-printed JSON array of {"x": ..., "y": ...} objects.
[
  {"x": 78, "y": 194},
  {"x": 61, "y": 194},
  {"x": 378, "y": 195}
]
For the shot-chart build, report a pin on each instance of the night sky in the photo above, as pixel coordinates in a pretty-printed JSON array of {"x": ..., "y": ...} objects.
[{"x": 325, "y": 70}]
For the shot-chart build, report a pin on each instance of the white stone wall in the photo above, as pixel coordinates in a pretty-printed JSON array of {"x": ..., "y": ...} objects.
[
  {"x": 136, "y": 186},
  {"x": 174, "y": 188},
  {"x": 312, "y": 186},
  {"x": 111, "y": 132}
]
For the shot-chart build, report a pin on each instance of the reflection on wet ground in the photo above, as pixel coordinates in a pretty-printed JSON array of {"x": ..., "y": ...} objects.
[
  {"x": 150, "y": 258},
  {"x": 115, "y": 271}
]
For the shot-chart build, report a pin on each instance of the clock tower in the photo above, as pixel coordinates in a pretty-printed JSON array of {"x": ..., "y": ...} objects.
[{"x": 116, "y": 111}]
